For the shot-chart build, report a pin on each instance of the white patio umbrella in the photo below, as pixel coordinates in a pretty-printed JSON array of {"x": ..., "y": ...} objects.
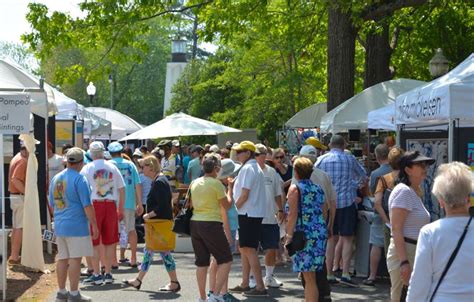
[{"x": 179, "y": 124}]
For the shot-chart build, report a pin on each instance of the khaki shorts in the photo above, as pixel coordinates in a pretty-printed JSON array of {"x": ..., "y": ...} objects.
[
  {"x": 129, "y": 220},
  {"x": 74, "y": 247},
  {"x": 17, "y": 202},
  {"x": 393, "y": 265}
]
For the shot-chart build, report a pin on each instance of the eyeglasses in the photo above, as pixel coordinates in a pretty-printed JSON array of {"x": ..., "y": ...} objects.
[
  {"x": 280, "y": 157},
  {"x": 422, "y": 165}
]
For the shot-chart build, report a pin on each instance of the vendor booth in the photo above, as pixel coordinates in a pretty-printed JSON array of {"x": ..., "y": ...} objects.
[
  {"x": 382, "y": 118},
  {"x": 122, "y": 124},
  {"x": 437, "y": 119}
]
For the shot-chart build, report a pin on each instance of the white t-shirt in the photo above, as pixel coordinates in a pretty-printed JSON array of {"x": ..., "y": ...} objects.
[
  {"x": 251, "y": 177},
  {"x": 55, "y": 165},
  {"x": 104, "y": 178},
  {"x": 406, "y": 198},
  {"x": 272, "y": 190},
  {"x": 436, "y": 243}
]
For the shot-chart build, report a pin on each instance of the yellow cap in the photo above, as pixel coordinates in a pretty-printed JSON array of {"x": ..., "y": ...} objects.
[
  {"x": 245, "y": 145},
  {"x": 313, "y": 141}
]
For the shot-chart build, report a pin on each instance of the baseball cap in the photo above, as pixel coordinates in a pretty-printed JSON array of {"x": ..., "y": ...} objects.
[
  {"x": 138, "y": 153},
  {"x": 96, "y": 146},
  {"x": 245, "y": 145},
  {"x": 422, "y": 158},
  {"x": 214, "y": 148},
  {"x": 115, "y": 147},
  {"x": 164, "y": 142},
  {"x": 74, "y": 155},
  {"x": 260, "y": 149},
  {"x": 175, "y": 143},
  {"x": 308, "y": 150},
  {"x": 313, "y": 141},
  {"x": 197, "y": 148}
]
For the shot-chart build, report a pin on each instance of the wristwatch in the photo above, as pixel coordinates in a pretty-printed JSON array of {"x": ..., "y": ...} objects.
[{"x": 404, "y": 262}]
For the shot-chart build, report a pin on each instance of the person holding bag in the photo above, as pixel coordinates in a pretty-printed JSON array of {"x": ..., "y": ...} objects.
[
  {"x": 158, "y": 206},
  {"x": 306, "y": 229},
  {"x": 444, "y": 256}
]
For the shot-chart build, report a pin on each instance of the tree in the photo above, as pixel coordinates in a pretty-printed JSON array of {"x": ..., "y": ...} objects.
[{"x": 20, "y": 55}]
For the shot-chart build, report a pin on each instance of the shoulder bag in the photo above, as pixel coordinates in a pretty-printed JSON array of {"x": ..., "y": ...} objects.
[
  {"x": 182, "y": 221},
  {"x": 386, "y": 194},
  {"x": 451, "y": 259},
  {"x": 298, "y": 242}
]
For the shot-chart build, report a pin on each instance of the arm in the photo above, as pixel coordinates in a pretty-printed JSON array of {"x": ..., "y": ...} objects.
[
  {"x": 138, "y": 199},
  {"x": 293, "y": 197},
  {"x": 399, "y": 216},
  {"x": 422, "y": 275},
  {"x": 242, "y": 198},
  {"x": 90, "y": 213},
  {"x": 121, "y": 202},
  {"x": 225, "y": 203},
  {"x": 378, "y": 207},
  {"x": 225, "y": 222},
  {"x": 280, "y": 214}
]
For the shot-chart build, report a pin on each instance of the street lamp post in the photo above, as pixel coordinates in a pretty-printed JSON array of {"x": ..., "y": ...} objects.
[
  {"x": 111, "y": 81},
  {"x": 438, "y": 65},
  {"x": 91, "y": 92}
]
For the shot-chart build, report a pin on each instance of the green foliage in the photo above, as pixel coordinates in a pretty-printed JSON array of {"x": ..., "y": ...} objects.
[{"x": 20, "y": 55}]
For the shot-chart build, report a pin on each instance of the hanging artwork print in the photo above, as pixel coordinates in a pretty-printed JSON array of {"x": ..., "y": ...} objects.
[{"x": 437, "y": 149}]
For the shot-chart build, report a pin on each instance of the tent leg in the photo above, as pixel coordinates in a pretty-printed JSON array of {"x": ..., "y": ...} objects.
[{"x": 451, "y": 140}]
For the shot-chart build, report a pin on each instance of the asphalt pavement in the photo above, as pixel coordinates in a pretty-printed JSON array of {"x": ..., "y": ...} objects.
[{"x": 157, "y": 277}]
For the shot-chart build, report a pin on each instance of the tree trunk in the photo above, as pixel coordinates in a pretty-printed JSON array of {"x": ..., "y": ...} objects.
[
  {"x": 341, "y": 54},
  {"x": 377, "y": 58}
]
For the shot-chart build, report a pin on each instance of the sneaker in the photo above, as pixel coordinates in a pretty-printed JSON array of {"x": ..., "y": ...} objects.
[
  {"x": 94, "y": 279},
  {"x": 108, "y": 279},
  {"x": 239, "y": 289},
  {"x": 60, "y": 297},
  {"x": 332, "y": 279},
  {"x": 215, "y": 298},
  {"x": 369, "y": 282},
  {"x": 87, "y": 272},
  {"x": 228, "y": 297},
  {"x": 79, "y": 298},
  {"x": 252, "y": 282},
  {"x": 256, "y": 293},
  {"x": 272, "y": 282},
  {"x": 348, "y": 281}
]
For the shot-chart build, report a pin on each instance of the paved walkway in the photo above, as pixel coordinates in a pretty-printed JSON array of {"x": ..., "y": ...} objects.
[{"x": 157, "y": 277}]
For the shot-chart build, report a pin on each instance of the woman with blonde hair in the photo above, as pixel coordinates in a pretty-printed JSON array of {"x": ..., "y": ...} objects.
[
  {"x": 444, "y": 255},
  {"x": 158, "y": 206}
]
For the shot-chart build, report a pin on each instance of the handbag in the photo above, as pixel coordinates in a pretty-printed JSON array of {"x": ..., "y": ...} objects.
[
  {"x": 386, "y": 195},
  {"x": 158, "y": 235},
  {"x": 451, "y": 259},
  {"x": 182, "y": 221},
  {"x": 298, "y": 242}
]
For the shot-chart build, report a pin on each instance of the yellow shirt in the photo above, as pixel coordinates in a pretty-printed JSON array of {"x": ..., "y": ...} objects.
[{"x": 205, "y": 194}]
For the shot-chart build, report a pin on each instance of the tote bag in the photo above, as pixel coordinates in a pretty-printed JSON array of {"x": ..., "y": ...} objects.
[{"x": 159, "y": 235}]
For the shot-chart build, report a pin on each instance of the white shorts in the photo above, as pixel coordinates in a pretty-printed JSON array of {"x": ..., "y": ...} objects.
[
  {"x": 129, "y": 220},
  {"x": 74, "y": 247},
  {"x": 17, "y": 202}
]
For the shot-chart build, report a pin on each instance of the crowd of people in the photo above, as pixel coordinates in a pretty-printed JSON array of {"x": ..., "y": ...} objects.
[{"x": 248, "y": 198}]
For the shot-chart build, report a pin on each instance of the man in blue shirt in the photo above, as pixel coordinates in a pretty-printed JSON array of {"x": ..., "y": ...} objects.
[
  {"x": 346, "y": 173},
  {"x": 133, "y": 197},
  {"x": 69, "y": 196}
]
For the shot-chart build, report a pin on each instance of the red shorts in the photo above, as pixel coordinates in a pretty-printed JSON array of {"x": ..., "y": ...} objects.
[{"x": 107, "y": 222}]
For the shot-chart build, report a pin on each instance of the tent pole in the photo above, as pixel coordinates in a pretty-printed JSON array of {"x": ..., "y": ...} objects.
[
  {"x": 4, "y": 237},
  {"x": 451, "y": 140}
]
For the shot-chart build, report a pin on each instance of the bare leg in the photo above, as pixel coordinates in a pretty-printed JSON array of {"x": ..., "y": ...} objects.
[
  {"x": 245, "y": 268},
  {"x": 61, "y": 272},
  {"x": 346, "y": 253},
  {"x": 221, "y": 276},
  {"x": 132, "y": 239},
  {"x": 270, "y": 259},
  {"x": 96, "y": 259},
  {"x": 17, "y": 235},
  {"x": 337, "y": 255},
  {"x": 254, "y": 263},
  {"x": 375, "y": 254},
  {"x": 201, "y": 273},
  {"x": 330, "y": 250},
  {"x": 74, "y": 273},
  {"x": 110, "y": 251},
  {"x": 311, "y": 292},
  {"x": 213, "y": 276}
]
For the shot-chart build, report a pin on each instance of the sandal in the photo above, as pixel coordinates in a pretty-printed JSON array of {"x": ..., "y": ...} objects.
[
  {"x": 124, "y": 260},
  {"x": 168, "y": 289},
  {"x": 134, "y": 265},
  {"x": 369, "y": 282},
  {"x": 130, "y": 283}
]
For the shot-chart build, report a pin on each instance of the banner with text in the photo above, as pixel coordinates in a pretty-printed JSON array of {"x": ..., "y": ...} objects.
[
  {"x": 421, "y": 105},
  {"x": 15, "y": 112}
]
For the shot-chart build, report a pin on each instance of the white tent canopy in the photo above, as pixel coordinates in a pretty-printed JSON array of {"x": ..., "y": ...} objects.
[
  {"x": 352, "y": 114},
  {"x": 310, "y": 117},
  {"x": 179, "y": 124},
  {"x": 121, "y": 123},
  {"x": 382, "y": 118},
  {"x": 445, "y": 98},
  {"x": 14, "y": 78}
]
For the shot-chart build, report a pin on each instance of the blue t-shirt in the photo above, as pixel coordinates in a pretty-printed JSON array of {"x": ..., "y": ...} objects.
[
  {"x": 146, "y": 186},
  {"x": 195, "y": 168},
  {"x": 69, "y": 194},
  {"x": 186, "y": 161},
  {"x": 130, "y": 177}
]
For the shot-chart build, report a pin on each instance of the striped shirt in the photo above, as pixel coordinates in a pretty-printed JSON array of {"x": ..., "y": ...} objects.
[
  {"x": 345, "y": 173},
  {"x": 406, "y": 198}
]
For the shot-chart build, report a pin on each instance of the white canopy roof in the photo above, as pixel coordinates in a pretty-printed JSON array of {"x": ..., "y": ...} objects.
[
  {"x": 121, "y": 123},
  {"x": 14, "y": 78},
  {"x": 179, "y": 124},
  {"x": 448, "y": 97},
  {"x": 352, "y": 114},
  {"x": 382, "y": 118},
  {"x": 310, "y": 117}
]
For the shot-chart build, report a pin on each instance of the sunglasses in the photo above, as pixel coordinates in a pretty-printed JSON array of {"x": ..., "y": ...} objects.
[
  {"x": 280, "y": 157},
  {"x": 422, "y": 164}
]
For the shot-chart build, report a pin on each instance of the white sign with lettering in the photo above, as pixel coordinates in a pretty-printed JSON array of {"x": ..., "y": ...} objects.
[
  {"x": 15, "y": 112},
  {"x": 422, "y": 105}
]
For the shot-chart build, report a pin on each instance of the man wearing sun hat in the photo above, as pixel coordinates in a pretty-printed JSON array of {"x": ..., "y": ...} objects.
[
  {"x": 133, "y": 198},
  {"x": 316, "y": 143},
  {"x": 249, "y": 195},
  {"x": 69, "y": 196},
  {"x": 108, "y": 198}
]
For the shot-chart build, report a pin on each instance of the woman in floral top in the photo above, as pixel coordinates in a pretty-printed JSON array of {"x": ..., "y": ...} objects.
[{"x": 311, "y": 258}]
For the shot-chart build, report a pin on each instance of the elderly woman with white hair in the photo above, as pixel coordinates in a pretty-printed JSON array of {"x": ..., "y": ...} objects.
[{"x": 444, "y": 255}]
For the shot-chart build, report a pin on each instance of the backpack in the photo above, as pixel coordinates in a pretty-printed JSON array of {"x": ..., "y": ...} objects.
[{"x": 386, "y": 195}]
